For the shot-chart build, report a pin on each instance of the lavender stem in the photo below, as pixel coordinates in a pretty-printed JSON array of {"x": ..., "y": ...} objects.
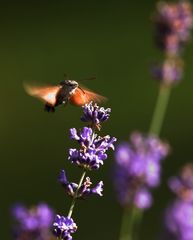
[
  {"x": 124, "y": 234},
  {"x": 75, "y": 195},
  {"x": 128, "y": 223},
  {"x": 160, "y": 110}
]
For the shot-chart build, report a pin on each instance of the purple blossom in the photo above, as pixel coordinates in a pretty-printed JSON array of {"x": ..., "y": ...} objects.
[
  {"x": 98, "y": 189},
  {"x": 179, "y": 214},
  {"x": 138, "y": 168},
  {"x": 93, "y": 148},
  {"x": 84, "y": 190},
  {"x": 63, "y": 227},
  {"x": 95, "y": 115},
  {"x": 90, "y": 155},
  {"x": 143, "y": 199},
  {"x": 182, "y": 185},
  {"x": 170, "y": 72},
  {"x": 35, "y": 223},
  {"x": 173, "y": 23},
  {"x": 179, "y": 219}
]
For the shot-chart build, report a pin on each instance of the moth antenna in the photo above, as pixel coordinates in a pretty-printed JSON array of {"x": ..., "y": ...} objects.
[
  {"x": 90, "y": 78},
  {"x": 81, "y": 89}
]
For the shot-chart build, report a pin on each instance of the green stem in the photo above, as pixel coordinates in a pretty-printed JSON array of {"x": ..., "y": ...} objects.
[
  {"x": 128, "y": 223},
  {"x": 124, "y": 225},
  {"x": 160, "y": 110},
  {"x": 75, "y": 195},
  {"x": 138, "y": 219}
]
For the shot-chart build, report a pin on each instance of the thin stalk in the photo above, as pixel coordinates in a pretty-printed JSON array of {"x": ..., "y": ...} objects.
[
  {"x": 160, "y": 110},
  {"x": 128, "y": 223},
  {"x": 138, "y": 219},
  {"x": 75, "y": 195}
]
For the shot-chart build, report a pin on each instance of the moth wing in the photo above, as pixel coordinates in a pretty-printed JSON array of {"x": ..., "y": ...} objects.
[
  {"x": 92, "y": 96},
  {"x": 44, "y": 93},
  {"x": 83, "y": 96}
]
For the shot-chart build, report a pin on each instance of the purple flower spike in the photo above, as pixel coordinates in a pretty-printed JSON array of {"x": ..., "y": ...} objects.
[
  {"x": 179, "y": 214},
  {"x": 179, "y": 220},
  {"x": 138, "y": 169},
  {"x": 95, "y": 115},
  {"x": 34, "y": 223},
  {"x": 93, "y": 148},
  {"x": 63, "y": 227},
  {"x": 173, "y": 24}
]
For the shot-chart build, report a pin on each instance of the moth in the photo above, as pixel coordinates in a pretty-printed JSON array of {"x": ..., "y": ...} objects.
[{"x": 66, "y": 91}]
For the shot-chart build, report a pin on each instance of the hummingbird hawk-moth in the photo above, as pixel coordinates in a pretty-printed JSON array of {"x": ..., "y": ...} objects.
[{"x": 66, "y": 91}]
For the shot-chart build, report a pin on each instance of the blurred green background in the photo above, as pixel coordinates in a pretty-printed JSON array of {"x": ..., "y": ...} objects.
[{"x": 40, "y": 41}]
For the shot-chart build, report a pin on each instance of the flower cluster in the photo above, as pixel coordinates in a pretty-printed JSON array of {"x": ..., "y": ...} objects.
[
  {"x": 63, "y": 227},
  {"x": 182, "y": 185},
  {"x": 173, "y": 23},
  {"x": 138, "y": 168},
  {"x": 92, "y": 152},
  {"x": 179, "y": 214},
  {"x": 171, "y": 71},
  {"x": 95, "y": 115},
  {"x": 84, "y": 190},
  {"x": 34, "y": 223},
  {"x": 89, "y": 156}
]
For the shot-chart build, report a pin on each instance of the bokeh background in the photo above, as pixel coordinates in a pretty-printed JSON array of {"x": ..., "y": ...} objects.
[{"x": 40, "y": 41}]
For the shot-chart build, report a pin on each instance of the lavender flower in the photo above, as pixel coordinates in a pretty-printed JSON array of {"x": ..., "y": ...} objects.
[
  {"x": 95, "y": 115},
  {"x": 63, "y": 227},
  {"x": 179, "y": 214},
  {"x": 89, "y": 156},
  {"x": 179, "y": 220},
  {"x": 93, "y": 148},
  {"x": 34, "y": 223},
  {"x": 84, "y": 190},
  {"x": 138, "y": 168},
  {"x": 182, "y": 185},
  {"x": 169, "y": 73},
  {"x": 173, "y": 24},
  {"x": 143, "y": 199}
]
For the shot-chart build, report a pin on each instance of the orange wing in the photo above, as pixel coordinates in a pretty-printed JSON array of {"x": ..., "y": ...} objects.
[
  {"x": 46, "y": 94},
  {"x": 83, "y": 96}
]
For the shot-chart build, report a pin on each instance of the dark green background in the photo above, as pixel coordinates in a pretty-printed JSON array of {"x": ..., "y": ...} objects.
[{"x": 112, "y": 39}]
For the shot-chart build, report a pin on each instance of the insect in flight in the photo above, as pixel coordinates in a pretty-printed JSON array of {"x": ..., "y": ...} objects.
[{"x": 66, "y": 91}]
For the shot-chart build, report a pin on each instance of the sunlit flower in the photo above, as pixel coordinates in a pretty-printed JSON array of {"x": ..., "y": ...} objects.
[
  {"x": 94, "y": 114},
  {"x": 84, "y": 190},
  {"x": 63, "y": 227},
  {"x": 138, "y": 168},
  {"x": 92, "y": 152}
]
